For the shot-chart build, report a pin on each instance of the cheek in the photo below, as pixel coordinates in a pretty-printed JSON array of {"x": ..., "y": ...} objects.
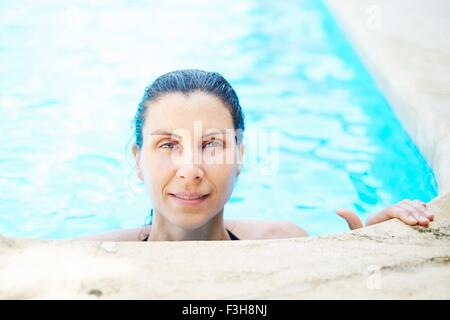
[
  {"x": 223, "y": 177},
  {"x": 157, "y": 172}
]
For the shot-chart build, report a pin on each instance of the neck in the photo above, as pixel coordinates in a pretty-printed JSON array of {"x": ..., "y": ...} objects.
[{"x": 163, "y": 230}]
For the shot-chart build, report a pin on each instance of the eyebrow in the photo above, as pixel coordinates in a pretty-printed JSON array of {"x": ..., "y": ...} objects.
[
  {"x": 214, "y": 132},
  {"x": 166, "y": 133}
]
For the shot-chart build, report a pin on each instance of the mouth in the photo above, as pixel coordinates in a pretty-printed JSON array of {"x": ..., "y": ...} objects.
[{"x": 188, "y": 198}]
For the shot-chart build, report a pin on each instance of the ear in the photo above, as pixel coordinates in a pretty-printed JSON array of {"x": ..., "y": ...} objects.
[
  {"x": 136, "y": 154},
  {"x": 241, "y": 158}
]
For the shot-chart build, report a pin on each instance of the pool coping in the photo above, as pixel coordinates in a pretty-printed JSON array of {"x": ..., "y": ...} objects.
[
  {"x": 383, "y": 39},
  {"x": 388, "y": 260}
]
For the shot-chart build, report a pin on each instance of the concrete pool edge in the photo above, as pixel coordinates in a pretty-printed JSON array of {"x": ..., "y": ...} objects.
[
  {"x": 388, "y": 260},
  {"x": 384, "y": 34}
]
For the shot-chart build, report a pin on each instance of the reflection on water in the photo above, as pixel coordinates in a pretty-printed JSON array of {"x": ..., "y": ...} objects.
[{"x": 71, "y": 74}]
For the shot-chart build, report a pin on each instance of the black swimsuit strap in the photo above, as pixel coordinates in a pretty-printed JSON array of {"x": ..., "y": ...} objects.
[{"x": 232, "y": 236}]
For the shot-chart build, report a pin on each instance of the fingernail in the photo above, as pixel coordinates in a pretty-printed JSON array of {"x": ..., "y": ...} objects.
[
  {"x": 423, "y": 220},
  {"x": 412, "y": 219},
  {"x": 428, "y": 214}
]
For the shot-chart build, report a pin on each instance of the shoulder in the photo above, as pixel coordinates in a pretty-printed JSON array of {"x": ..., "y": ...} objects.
[
  {"x": 133, "y": 234},
  {"x": 244, "y": 229},
  {"x": 264, "y": 229}
]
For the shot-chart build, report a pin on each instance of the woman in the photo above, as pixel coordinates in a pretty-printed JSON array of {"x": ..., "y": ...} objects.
[{"x": 189, "y": 129}]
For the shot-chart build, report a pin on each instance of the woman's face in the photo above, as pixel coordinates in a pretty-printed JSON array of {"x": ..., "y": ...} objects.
[{"x": 189, "y": 159}]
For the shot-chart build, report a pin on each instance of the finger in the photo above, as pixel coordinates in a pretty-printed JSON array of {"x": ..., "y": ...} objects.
[
  {"x": 402, "y": 214},
  {"x": 351, "y": 218},
  {"x": 422, "y": 210},
  {"x": 421, "y": 205},
  {"x": 421, "y": 219},
  {"x": 418, "y": 211},
  {"x": 415, "y": 208}
]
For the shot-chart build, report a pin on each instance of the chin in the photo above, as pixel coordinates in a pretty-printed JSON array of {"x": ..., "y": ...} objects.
[{"x": 190, "y": 220}]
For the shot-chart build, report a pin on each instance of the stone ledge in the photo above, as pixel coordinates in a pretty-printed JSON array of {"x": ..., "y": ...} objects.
[
  {"x": 411, "y": 64},
  {"x": 388, "y": 260}
]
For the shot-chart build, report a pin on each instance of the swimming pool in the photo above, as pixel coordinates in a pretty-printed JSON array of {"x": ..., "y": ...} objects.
[{"x": 72, "y": 75}]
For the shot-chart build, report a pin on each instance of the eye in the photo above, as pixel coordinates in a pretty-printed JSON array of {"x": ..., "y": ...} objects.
[
  {"x": 213, "y": 144},
  {"x": 167, "y": 145}
]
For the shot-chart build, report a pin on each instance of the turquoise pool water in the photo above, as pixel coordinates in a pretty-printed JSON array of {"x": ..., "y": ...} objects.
[{"x": 72, "y": 73}]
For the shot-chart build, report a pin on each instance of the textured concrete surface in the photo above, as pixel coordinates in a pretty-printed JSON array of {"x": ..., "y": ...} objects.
[
  {"x": 405, "y": 45},
  {"x": 408, "y": 53},
  {"x": 389, "y": 260}
]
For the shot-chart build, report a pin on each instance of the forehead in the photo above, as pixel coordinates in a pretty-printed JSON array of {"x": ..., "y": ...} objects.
[{"x": 174, "y": 111}]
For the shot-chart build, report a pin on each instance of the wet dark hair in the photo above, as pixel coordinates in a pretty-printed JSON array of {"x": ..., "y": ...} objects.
[{"x": 188, "y": 81}]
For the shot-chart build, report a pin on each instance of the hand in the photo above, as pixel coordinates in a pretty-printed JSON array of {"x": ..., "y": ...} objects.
[{"x": 410, "y": 212}]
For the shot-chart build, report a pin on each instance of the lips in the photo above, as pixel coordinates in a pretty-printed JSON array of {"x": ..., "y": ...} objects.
[
  {"x": 188, "y": 198},
  {"x": 189, "y": 195}
]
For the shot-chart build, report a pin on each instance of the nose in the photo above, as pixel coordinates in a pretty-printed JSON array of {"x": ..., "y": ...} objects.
[
  {"x": 190, "y": 172},
  {"x": 190, "y": 168}
]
